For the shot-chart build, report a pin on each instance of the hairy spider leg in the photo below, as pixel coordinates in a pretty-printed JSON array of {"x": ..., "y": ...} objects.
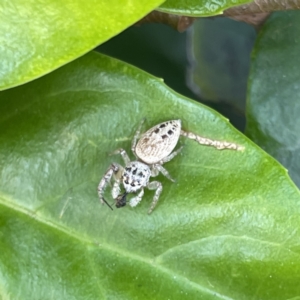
[
  {"x": 137, "y": 199},
  {"x": 116, "y": 187},
  {"x": 171, "y": 156},
  {"x": 124, "y": 155},
  {"x": 159, "y": 168},
  {"x": 208, "y": 142},
  {"x": 154, "y": 185},
  {"x": 114, "y": 169}
]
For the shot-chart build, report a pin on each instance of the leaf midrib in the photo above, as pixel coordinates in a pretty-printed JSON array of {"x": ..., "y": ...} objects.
[{"x": 9, "y": 203}]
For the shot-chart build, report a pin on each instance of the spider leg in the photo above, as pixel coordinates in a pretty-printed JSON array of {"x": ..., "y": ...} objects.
[
  {"x": 137, "y": 199},
  {"x": 123, "y": 154},
  {"x": 136, "y": 136},
  {"x": 115, "y": 192},
  {"x": 114, "y": 169},
  {"x": 161, "y": 169},
  {"x": 171, "y": 156},
  {"x": 154, "y": 185},
  {"x": 214, "y": 143}
]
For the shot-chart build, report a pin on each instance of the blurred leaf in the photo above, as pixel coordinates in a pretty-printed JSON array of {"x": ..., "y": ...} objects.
[
  {"x": 40, "y": 36},
  {"x": 226, "y": 230},
  {"x": 198, "y": 8},
  {"x": 220, "y": 65},
  {"x": 273, "y": 97},
  {"x": 158, "y": 49}
]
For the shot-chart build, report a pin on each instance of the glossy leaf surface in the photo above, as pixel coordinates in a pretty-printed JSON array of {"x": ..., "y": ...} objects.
[
  {"x": 199, "y": 8},
  {"x": 227, "y": 229},
  {"x": 40, "y": 36},
  {"x": 273, "y": 96}
]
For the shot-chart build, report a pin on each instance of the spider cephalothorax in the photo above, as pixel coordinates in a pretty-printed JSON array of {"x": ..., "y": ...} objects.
[
  {"x": 153, "y": 149},
  {"x": 135, "y": 176}
]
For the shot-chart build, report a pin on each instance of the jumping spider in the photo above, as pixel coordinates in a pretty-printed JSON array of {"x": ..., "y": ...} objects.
[{"x": 153, "y": 149}]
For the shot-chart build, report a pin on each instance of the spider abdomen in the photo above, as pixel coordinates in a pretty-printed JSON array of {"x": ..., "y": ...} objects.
[{"x": 158, "y": 142}]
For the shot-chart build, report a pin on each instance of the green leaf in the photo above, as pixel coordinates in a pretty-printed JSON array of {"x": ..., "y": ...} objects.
[
  {"x": 40, "y": 36},
  {"x": 273, "y": 95},
  {"x": 221, "y": 65},
  {"x": 198, "y": 8},
  {"x": 226, "y": 230}
]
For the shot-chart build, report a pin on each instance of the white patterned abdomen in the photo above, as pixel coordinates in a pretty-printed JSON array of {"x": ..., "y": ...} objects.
[{"x": 158, "y": 142}]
